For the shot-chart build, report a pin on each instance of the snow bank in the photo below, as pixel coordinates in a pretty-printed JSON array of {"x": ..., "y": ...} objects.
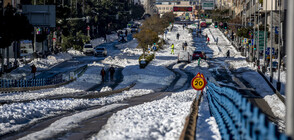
[
  {"x": 161, "y": 119},
  {"x": 17, "y": 115}
]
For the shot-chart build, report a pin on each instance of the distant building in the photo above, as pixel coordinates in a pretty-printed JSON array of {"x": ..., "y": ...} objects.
[{"x": 183, "y": 8}]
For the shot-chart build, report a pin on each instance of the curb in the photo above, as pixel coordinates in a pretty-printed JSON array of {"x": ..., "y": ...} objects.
[
  {"x": 272, "y": 87},
  {"x": 189, "y": 130}
]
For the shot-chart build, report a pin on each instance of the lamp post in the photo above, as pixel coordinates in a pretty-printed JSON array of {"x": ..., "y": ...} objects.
[
  {"x": 279, "y": 48},
  {"x": 272, "y": 34},
  {"x": 257, "y": 51},
  {"x": 265, "y": 37},
  {"x": 290, "y": 69}
]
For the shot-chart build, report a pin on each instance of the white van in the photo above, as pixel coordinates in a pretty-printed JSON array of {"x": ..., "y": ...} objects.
[
  {"x": 88, "y": 49},
  {"x": 184, "y": 56}
]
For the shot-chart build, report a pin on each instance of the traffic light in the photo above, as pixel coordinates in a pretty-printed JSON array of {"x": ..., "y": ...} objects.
[
  {"x": 215, "y": 24},
  {"x": 225, "y": 25}
]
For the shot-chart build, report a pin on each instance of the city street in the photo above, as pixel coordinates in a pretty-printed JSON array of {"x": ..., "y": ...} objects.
[{"x": 155, "y": 108}]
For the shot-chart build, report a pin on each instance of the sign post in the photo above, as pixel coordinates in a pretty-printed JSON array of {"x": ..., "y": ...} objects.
[{"x": 199, "y": 82}]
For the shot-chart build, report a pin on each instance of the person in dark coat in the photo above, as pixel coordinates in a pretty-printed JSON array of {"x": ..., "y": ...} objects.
[
  {"x": 102, "y": 73},
  {"x": 228, "y": 53},
  {"x": 34, "y": 70},
  {"x": 178, "y": 36},
  {"x": 111, "y": 70},
  {"x": 185, "y": 45}
]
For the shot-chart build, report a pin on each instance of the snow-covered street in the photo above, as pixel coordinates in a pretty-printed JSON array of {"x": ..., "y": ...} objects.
[{"x": 161, "y": 116}]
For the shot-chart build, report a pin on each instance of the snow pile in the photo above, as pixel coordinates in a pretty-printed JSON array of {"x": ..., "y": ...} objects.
[
  {"x": 277, "y": 106},
  {"x": 160, "y": 119},
  {"x": 104, "y": 89},
  {"x": 17, "y": 115},
  {"x": 73, "y": 52},
  {"x": 51, "y": 60},
  {"x": 116, "y": 60}
]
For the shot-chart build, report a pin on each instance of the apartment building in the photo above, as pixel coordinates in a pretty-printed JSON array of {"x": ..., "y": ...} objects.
[{"x": 165, "y": 6}]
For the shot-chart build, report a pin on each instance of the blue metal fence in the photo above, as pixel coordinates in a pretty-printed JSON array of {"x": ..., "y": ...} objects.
[
  {"x": 31, "y": 82},
  {"x": 237, "y": 118}
]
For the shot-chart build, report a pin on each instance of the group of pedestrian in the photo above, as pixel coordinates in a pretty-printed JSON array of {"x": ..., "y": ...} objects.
[
  {"x": 121, "y": 36},
  {"x": 103, "y": 73},
  {"x": 184, "y": 46}
]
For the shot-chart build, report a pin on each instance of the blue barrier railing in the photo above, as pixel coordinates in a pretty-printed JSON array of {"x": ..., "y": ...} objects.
[
  {"x": 31, "y": 82},
  {"x": 237, "y": 118},
  {"x": 39, "y": 82}
]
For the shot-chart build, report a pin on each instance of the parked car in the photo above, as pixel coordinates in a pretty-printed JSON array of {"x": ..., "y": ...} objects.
[
  {"x": 203, "y": 24},
  {"x": 100, "y": 51},
  {"x": 197, "y": 54},
  {"x": 184, "y": 56},
  {"x": 135, "y": 28},
  {"x": 88, "y": 49},
  {"x": 274, "y": 66}
]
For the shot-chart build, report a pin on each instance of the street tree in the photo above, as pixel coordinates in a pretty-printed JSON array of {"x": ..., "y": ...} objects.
[
  {"x": 146, "y": 37},
  {"x": 12, "y": 31}
]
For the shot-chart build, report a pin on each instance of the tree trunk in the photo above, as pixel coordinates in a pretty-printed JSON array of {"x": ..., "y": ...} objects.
[
  {"x": 7, "y": 57},
  {"x": 2, "y": 59},
  {"x": 143, "y": 53},
  {"x": 15, "y": 43}
]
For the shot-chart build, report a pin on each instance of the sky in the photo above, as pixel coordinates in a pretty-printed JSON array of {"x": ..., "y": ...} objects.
[{"x": 159, "y": 119}]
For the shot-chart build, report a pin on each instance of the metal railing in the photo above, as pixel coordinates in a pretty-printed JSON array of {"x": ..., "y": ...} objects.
[
  {"x": 31, "y": 82},
  {"x": 5, "y": 83},
  {"x": 237, "y": 118}
]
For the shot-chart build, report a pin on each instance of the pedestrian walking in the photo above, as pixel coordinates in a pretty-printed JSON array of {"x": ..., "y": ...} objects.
[
  {"x": 165, "y": 32},
  {"x": 178, "y": 36},
  {"x": 199, "y": 60},
  {"x": 216, "y": 40},
  {"x": 228, "y": 53},
  {"x": 208, "y": 40},
  {"x": 118, "y": 34},
  {"x": 102, "y": 73},
  {"x": 172, "y": 49},
  {"x": 111, "y": 70},
  {"x": 183, "y": 26},
  {"x": 185, "y": 45},
  {"x": 34, "y": 70}
]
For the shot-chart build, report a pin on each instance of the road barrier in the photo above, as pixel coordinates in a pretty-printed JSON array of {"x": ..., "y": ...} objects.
[
  {"x": 23, "y": 85},
  {"x": 31, "y": 82},
  {"x": 237, "y": 118}
]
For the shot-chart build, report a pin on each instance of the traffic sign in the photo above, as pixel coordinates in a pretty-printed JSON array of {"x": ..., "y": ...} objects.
[
  {"x": 154, "y": 48},
  {"x": 198, "y": 82},
  {"x": 267, "y": 52},
  {"x": 88, "y": 28},
  {"x": 261, "y": 39},
  {"x": 276, "y": 30}
]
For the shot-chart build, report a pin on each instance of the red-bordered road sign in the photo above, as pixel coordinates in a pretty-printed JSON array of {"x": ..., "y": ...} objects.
[{"x": 198, "y": 82}]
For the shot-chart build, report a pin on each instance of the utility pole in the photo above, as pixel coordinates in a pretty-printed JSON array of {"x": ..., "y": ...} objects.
[
  {"x": 290, "y": 70},
  {"x": 279, "y": 47},
  {"x": 265, "y": 36},
  {"x": 272, "y": 34},
  {"x": 254, "y": 29},
  {"x": 257, "y": 50}
]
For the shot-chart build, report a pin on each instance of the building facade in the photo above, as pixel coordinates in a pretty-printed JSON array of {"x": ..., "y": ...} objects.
[{"x": 165, "y": 6}]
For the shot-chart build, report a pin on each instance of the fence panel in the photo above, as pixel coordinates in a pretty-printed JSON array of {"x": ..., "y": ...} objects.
[{"x": 237, "y": 118}]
